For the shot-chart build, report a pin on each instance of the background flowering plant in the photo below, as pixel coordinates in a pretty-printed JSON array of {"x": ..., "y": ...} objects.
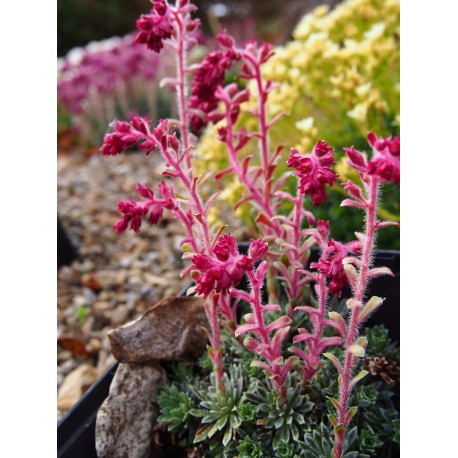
[
  {"x": 337, "y": 79},
  {"x": 285, "y": 367}
]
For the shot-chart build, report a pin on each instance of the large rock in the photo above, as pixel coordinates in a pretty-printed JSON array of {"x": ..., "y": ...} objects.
[
  {"x": 125, "y": 419},
  {"x": 170, "y": 331}
]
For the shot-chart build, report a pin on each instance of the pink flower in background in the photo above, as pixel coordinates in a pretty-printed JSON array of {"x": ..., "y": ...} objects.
[
  {"x": 119, "y": 63},
  {"x": 314, "y": 171},
  {"x": 207, "y": 78},
  {"x": 385, "y": 162},
  {"x": 154, "y": 27}
]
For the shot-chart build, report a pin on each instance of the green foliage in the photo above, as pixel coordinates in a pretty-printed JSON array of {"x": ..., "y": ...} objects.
[
  {"x": 284, "y": 419},
  {"x": 175, "y": 407},
  {"x": 82, "y": 21},
  {"x": 379, "y": 343},
  {"x": 366, "y": 395},
  {"x": 397, "y": 431},
  {"x": 249, "y": 448},
  {"x": 318, "y": 443},
  {"x": 218, "y": 412},
  {"x": 81, "y": 312},
  {"x": 249, "y": 419},
  {"x": 369, "y": 442}
]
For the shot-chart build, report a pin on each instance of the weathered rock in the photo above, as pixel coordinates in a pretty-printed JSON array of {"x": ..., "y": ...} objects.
[
  {"x": 170, "y": 331},
  {"x": 126, "y": 417},
  {"x": 74, "y": 385}
]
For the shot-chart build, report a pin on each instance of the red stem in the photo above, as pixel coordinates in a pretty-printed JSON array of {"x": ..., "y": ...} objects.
[
  {"x": 350, "y": 359},
  {"x": 263, "y": 201},
  {"x": 181, "y": 86}
]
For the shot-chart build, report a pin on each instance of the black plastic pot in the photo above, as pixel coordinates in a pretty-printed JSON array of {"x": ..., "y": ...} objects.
[
  {"x": 76, "y": 430},
  {"x": 66, "y": 250}
]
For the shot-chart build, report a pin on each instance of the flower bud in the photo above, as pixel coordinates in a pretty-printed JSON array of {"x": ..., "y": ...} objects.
[
  {"x": 258, "y": 249},
  {"x": 225, "y": 40}
]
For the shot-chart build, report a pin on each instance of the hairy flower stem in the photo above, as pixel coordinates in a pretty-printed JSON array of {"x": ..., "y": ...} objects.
[
  {"x": 215, "y": 350},
  {"x": 263, "y": 201},
  {"x": 263, "y": 128},
  {"x": 294, "y": 289},
  {"x": 181, "y": 84},
  {"x": 353, "y": 329},
  {"x": 271, "y": 353},
  {"x": 319, "y": 323},
  {"x": 190, "y": 183}
]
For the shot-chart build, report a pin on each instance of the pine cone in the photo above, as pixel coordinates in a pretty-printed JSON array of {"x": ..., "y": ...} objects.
[{"x": 387, "y": 370}]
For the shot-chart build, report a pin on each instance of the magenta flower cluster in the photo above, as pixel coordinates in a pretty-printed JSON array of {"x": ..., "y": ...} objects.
[
  {"x": 207, "y": 78},
  {"x": 314, "y": 171},
  {"x": 385, "y": 162},
  {"x": 104, "y": 72},
  {"x": 133, "y": 211},
  {"x": 226, "y": 267},
  {"x": 155, "y": 27},
  {"x": 333, "y": 253}
]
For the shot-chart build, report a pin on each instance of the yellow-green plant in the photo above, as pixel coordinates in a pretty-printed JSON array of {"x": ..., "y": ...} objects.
[{"x": 337, "y": 79}]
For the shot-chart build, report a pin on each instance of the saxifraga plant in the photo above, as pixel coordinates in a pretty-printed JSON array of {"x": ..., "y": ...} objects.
[{"x": 289, "y": 341}]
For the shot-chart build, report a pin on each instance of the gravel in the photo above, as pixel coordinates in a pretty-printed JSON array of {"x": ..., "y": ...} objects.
[{"x": 116, "y": 277}]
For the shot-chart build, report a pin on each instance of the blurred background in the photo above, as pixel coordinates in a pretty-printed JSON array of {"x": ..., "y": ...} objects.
[{"x": 82, "y": 21}]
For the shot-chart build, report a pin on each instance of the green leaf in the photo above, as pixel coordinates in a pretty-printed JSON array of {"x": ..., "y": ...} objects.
[
  {"x": 335, "y": 403},
  {"x": 397, "y": 433},
  {"x": 227, "y": 436},
  {"x": 358, "y": 377},
  {"x": 332, "y": 419},
  {"x": 201, "y": 434},
  {"x": 351, "y": 413}
]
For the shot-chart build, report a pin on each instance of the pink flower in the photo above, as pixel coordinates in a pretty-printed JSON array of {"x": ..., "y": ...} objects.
[
  {"x": 118, "y": 141},
  {"x": 330, "y": 263},
  {"x": 322, "y": 228},
  {"x": 156, "y": 214},
  {"x": 126, "y": 135},
  {"x": 357, "y": 159},
  {"x": 155, "y": 27},
  {"x": 226, "y": 246},
  {"x": 207, "y": 78},
  {"x": 164, "y": 136},
  {"x": 223, "y": 271},
  {"x": 314, "y": 171},
  {"x": 168, "y": 194},
  {"x": 133, "y": 213},
  {"x": 258, "y": 249},
  {"x": 385, "y": 162}
]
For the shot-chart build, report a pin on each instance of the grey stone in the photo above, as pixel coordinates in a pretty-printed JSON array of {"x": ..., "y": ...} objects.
[
  {"x": 170, "y": 331},
  {"x": 125, "y": 419}
]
